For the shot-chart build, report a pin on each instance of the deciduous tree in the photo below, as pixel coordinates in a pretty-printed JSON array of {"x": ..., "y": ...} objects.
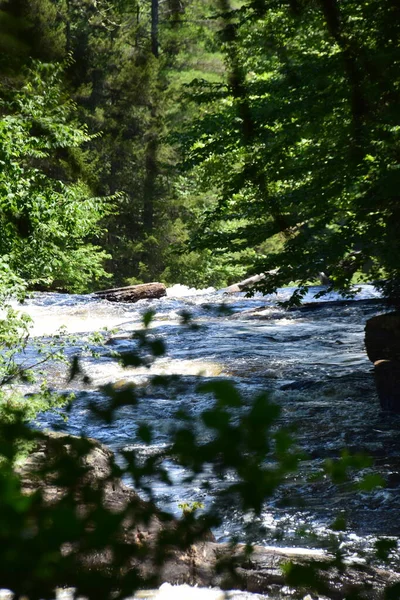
[{"x": 302, "y": 141}]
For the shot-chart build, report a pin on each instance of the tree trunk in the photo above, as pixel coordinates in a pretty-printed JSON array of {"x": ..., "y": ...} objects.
[
  {"x": 247, "y": 283},
  {"x": 150, "y": 182},
  {"x": 154, "y": 27}
]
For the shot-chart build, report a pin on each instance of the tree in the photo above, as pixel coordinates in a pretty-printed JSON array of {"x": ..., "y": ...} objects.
[
  {"x": 301, "y": 142},
  {"x": 48, "y": 217},
  {"x": 135, "y": 99}
]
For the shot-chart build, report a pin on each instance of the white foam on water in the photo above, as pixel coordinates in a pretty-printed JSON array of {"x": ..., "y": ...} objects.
[
  {"x": 183, "y": 291},
  {"x": 174, "y": 592},
  {"x": 85, "y": 316},
  {"x": 101, "y": 373},
  {"x": 51, "y": 324},
  {"x": 165, "y": 592},
  {"x": 187, "y": 592},
  {"x": 184, "y": 592},
  {"x": 362, "y": 292}
]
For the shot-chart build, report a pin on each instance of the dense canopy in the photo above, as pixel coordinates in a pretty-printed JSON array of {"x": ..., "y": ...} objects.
[
  {"x": 264, "y": 133},
  {"x": 302, "y": 141}
]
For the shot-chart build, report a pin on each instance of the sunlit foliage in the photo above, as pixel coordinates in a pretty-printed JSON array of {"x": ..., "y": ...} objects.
[
  {"x": 48, "y": 218},
  {"x": 303, "y": 139}
]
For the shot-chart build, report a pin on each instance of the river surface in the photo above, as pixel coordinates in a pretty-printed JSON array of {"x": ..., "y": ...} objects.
[{"x": 313, "y": 363}]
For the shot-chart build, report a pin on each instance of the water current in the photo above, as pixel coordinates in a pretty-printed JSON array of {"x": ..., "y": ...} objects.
[{"x": 311, "y": 360}]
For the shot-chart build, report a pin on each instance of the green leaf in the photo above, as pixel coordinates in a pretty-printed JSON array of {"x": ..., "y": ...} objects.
[
  {"x": 157, "y": 347},
  {"x": 75, "y": 369},
  {"x": 131, "y": 359},
  {"x": 148, "y": 317},
  {"x": 145, "y": 433},
  {"x": 371, "y": 482},
  {"x": 385, "y": 546},
  {"x": 225, "y": 392},
  {"x": 339, "y": 524}
]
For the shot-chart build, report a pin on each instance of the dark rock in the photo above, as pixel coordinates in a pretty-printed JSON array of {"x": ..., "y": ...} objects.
[
  {"x": 334, "y": 304},
  {"x": 201, "y": 563},
  {"x": 63, "y": 464},
  {"x": 382, "y": 342},
  {"x": 261, "y": 572},
  {"x": 89, "y": 465},
  {"x": 387, "y": 379},
  {"x": 382, "y": 337}
]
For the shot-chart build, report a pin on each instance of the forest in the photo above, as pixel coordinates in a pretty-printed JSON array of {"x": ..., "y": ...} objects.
[
  {"x": 115, "y": 166},
  {"x": 193, "y": 142}
]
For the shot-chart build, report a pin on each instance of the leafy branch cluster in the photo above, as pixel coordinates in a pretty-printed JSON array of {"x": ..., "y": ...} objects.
[
  {"x": 47, "y": 220},
  {"x": 302, "y": 142}
]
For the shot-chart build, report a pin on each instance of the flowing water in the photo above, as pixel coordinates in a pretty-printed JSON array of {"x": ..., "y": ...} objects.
[{"x": 313, "y": 363}]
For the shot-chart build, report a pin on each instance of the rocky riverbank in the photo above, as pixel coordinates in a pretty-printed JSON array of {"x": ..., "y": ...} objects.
[{"x": 125, "y": 540}]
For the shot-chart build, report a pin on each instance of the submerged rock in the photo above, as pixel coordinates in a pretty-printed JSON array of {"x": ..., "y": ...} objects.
[{"x": 303, "y": 384}]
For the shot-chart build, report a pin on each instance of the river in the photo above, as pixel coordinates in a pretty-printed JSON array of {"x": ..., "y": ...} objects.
[{"x": 313, "y": 363}]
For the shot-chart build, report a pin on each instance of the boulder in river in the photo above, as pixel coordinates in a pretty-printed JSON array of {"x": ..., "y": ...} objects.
[
  {"x": 134, "y": 293},
  {"x": 90, "y": 524},
  {"x": 382, "y": 337},
  {"x": 387, "y": 379},
  {"x": 382, "y": 341}
]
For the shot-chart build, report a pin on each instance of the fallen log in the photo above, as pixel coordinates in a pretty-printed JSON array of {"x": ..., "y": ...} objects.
[
  {"x": 246, "y": 283},
  {"x": 133, "y": 293}
]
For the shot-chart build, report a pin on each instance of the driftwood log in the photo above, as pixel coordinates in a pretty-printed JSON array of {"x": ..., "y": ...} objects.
[
  {"x": 200, "y": 563},
  {"x": 134, "y": 293},
  {"x": 248, "y": 283}
]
